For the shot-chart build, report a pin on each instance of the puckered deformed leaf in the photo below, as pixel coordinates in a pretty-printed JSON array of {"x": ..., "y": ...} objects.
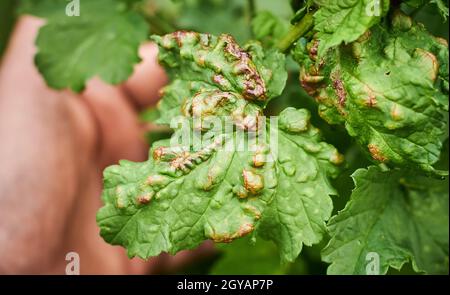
[
  {"x": 339, "y": 21},
  {"x": 302, "y": 200},
  {"x": 393, "y": 217},
  {"x": 181, "y": 196},
  {"x": 102, "y": 41},
  {"x": 203, "y": 65},
  {"x": 221, "y": 189},
  {"x": 389, "y": 88}
]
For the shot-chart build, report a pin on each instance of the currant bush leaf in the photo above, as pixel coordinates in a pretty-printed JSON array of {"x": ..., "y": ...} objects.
[
  {"x": 389, "y": 88},
  {"x": 203, "y": 65},
  {"x": 103, "y": 41},
  {"x": 339, "y": 21},
  {"x": 397, "y": 215},
  {"x": 169, "y": 205},
  {"x": 302, "y": 200},
  {"x": 440, "y": 5},
  {"x": 180, "y": 197},
  {"x": 184, "y": 195}
]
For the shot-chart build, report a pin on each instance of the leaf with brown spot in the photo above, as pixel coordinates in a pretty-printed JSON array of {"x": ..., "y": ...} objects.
[{"x": 390, "y": 90}]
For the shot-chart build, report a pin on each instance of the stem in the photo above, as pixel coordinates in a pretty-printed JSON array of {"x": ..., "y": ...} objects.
[
  {"x": 296, "y": 31},
  {"x": 250, "y": 15},
  {"x": 158, "y": 25}
]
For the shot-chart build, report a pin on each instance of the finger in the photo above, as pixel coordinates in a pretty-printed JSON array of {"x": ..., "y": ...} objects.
[
  {"x": 148, "y": 77},
  {"x": 118, "y": 127}
]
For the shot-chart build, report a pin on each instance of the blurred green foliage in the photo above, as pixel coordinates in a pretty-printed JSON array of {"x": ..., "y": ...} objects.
[{"x": 7, "y": 18}]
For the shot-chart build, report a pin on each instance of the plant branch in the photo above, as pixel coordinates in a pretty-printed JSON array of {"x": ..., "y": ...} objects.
[{"x": 296, "y": 31}]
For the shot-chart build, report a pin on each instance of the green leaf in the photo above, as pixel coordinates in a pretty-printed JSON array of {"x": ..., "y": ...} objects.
[
  {"x": 440, "y": 5},
  {"x": 268, "y": 28},
  {"x": 389, "y": 88},
  {"x": 103, "y": 41},
  {"x": 189, "y": 192},
  {"x": 169, "y": 205},
  {"x": 203, "y": 65},
  {"x": 182, "y": 196},
  {"x": 302, "y": 200},
  {"x": 395, "y": 216},
  {"x": 339, "y": 21}
]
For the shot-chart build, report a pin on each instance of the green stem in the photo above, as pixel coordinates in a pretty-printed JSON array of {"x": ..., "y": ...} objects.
[
  {"x": 158, "y": 25},
  {"x": 250, "y": 15},
  {"x": 296, "y": 31}
]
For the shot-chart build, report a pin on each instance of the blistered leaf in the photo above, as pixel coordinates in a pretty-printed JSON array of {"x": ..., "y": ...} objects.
[
  {"x": 181, "y": 196},
  {"x": 102, "y": 41},
  {"x": 389, "y": 88},
  {"x": 185, "y": 194},
  {"x": 393, "y": 217},
  {"x": 339, "y": 21},
  {"x": 302, "y": 202},
  {"x": 203, "y": 66}
]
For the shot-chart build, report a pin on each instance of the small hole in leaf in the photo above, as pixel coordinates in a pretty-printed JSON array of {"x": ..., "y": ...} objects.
[{"x": 387, "y": 73}]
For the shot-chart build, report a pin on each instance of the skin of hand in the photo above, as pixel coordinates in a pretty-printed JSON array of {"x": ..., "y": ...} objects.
[{"x": 54, "y": 146}]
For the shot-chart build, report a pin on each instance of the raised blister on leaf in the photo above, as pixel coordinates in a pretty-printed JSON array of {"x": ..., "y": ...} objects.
[
  {"x": 390, "y": 93},
  {"x": 215, "y": 76}
]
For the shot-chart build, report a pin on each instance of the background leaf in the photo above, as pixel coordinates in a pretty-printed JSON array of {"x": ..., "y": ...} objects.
[
  {"x": 399, "y": 216},
  {"x": 103, "y": 41}
]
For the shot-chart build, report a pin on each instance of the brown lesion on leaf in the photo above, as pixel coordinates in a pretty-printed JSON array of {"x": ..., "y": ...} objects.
[
  {"x": 155, "y": 180},
  {"x": 243, "y": 230},
  {"x": 313, "y": 49},
  {"x": 371, "y": 100},
  {"x": 365, "y": 37},
  {"x": 254, "y": 85},
  {"x": 253, "y": 182},
  {"x": 240, "y": 191},
  {"x": 165, "y": 153},
  {"x": 430, "y": 60},
  {"x": 339, "y": 89},
  {"x": 144, "y": 198},
  {"x": 183, "y": 160},
  {"x": 253, "y": 210},
  {"x": 336, "y": 158},
  {"x": 181, "y": 35},
  {"x": 376, "y": 153},
  {"x": 258, "y": 159},
  {"x": 310, "y": 80},
  {"x": 220, "y": 80},
  {"x": 442, "y": 41},
  {"x": 396, "y": 113}
]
